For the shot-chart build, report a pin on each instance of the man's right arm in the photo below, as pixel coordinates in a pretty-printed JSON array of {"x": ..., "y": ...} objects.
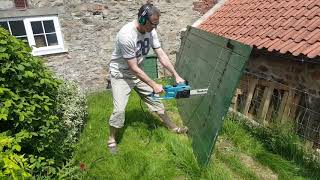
[{"x": 133, "y": 65}]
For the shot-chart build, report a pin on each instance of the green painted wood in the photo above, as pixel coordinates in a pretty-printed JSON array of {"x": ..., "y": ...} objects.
[
  {"x": 150, "y": 66},
  {"x": 208, "y": 61}
]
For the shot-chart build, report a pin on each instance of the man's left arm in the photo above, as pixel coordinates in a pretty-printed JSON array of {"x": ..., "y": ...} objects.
[{"x": 164, "y": 60}]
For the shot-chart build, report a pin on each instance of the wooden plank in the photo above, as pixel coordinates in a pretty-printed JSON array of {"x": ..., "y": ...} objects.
[
  {"x": 288, "y": 105},
  {"x": 234, "y": 102},
  {"x": 265, "y": 102},
  {"x": 282, "y": 105},
  {"x": 294, "y": 107},
  {"x": 276, "y": 85},
  {"x": 263, "y": 82},
  {"x": 252, "y": 86}
]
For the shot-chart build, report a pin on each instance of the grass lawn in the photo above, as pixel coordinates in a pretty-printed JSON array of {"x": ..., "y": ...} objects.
[{"x": 147, "y": 150}]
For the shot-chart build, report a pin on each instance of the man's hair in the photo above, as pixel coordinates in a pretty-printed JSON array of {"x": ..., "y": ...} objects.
[{"x": 149, "y": 9}]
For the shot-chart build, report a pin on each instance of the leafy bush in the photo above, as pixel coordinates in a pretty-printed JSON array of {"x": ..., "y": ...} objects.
[
  {"x": 11, "y": 163},
  {"x": 71, "y": 107},
  {"x": 33, "y": 102}
]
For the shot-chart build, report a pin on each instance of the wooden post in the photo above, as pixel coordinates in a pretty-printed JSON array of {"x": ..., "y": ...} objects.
[
  {"x": 282, "y": 105},
  {"x": 294, "y": 107},
  {"x": 252, "y": 86},
  {"x": 288, "y": 106},
  {"x": 265, "y": 102},
  {"x": 234, "y": 103}
]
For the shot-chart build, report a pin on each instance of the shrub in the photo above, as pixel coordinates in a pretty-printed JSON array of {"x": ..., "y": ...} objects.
[
  {"x": 72, "y": 109},
  {"x": 12, "y": 164},
  {"x": 49, "y": 112}
]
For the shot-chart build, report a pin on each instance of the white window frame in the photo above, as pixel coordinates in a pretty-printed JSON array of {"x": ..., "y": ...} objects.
[{"x": 30, "y": 36}]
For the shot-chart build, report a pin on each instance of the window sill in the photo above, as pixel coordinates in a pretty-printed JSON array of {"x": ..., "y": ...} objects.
[{"x": 37, "y": 52}]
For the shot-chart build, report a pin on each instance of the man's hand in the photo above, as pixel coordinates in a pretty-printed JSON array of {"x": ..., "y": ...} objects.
[
  {"x": 164, "y": 60},
  {"x": 179, "y": 80},
  {"x": 157, "y": 88}
]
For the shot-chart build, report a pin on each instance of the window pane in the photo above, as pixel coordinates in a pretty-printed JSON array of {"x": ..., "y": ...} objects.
[
  {"x": 52, "y": 39},
  {"x": 49, "y": 26},
  {"x": 40, "y": 41},
  {"x": 4, "y": 25},
  {"x": 17, "y": 28},
  {"x": 37, "y": 27}
]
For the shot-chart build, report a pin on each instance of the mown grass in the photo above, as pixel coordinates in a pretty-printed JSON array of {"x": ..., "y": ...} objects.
[{"x": 147, "y": 150}]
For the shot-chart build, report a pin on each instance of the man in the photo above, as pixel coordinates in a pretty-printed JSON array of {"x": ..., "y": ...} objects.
[{"x": 133, "y": 42}]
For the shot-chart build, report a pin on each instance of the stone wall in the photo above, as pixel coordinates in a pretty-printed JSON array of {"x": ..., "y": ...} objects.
[
  {"x": 204, "y": 6},
  {"x": 89, "y": 28},
  {"x": 295, "y": 73}
]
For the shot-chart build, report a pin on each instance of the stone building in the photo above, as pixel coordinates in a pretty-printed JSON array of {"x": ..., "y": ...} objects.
[
  {"x": 76, "y": 37},
  {"x": 282, "y": 78}
]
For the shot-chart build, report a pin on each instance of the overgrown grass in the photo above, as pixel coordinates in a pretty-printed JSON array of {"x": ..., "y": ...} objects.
[
  {"x": 256, "y": 142},
  {"x": 147, "y": 150}
]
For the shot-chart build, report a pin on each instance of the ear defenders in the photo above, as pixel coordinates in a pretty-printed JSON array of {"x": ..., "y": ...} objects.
[{"x": 144, "y": 15}]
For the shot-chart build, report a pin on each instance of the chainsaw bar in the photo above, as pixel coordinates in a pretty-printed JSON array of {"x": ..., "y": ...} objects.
[{"x": 198, "y": 92}]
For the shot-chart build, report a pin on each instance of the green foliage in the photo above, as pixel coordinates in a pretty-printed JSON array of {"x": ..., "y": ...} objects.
[
  {"x": 27, "y": 93},
  {"x": 279, "y": 139},
  {"x": 11, "y": 163},
  {"x": 70, "y": 171},
  {"x": 33, "y": 101},
  {"x": 282, "y": 140},
  {"x": 72, "y": 109}
]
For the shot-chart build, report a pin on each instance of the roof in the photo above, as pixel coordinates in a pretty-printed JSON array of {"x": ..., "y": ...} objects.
[{"x": 278, "y": 25}]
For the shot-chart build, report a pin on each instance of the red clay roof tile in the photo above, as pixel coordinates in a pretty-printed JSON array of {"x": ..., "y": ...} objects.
[
  {"x": 313, "y": 37},
  {"x": 281, "y": 25},
  {"x": 313, "y": 24}
]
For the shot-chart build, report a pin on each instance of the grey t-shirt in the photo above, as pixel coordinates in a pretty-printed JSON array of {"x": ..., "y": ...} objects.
[{"x": 131, "y": 43}]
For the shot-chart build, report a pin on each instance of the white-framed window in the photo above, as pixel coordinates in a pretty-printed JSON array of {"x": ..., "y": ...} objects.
[{"x": 43, "y": 33}]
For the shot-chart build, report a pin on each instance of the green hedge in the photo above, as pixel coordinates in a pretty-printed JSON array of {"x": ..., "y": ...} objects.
[{"x": 33, "y": 105}]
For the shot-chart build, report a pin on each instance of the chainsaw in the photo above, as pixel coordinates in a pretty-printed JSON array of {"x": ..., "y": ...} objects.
[{"x": 177, "y": 91}]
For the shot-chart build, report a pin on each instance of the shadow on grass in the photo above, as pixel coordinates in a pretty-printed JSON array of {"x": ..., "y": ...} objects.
[{"x": 134, "y": 116}]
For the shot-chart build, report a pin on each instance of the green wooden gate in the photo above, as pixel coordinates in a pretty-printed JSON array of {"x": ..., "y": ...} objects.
[
  {"x": 208, "y": 61},
  {"x": 150, "y": 66}
]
